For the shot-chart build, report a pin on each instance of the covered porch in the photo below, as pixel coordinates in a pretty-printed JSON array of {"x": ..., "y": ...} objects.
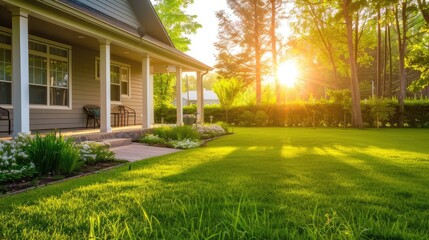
[{"x": 63, "y": 60}]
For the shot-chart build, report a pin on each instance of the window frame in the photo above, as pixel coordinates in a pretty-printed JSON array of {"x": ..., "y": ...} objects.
[
  {"x": 68, "y": 59},
  {"x": 8, "y": 47},
  {"x": 121, "y": 67}
]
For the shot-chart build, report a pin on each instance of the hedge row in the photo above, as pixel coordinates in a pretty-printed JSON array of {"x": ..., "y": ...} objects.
[{"x": 306, "y": 114}]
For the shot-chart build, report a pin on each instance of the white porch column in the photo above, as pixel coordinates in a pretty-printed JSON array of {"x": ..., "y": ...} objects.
[
  {"x": 152, "y": 103},
  {"x": 200, "y": 98},
  {"x": 179, "y": 100},
  {"x": 20, "y": 79},
  {"x": 147, "y": 93},
  {"x": 105, "y": 125}
]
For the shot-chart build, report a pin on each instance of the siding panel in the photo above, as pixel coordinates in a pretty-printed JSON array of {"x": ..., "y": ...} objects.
[{"x": 120, "y": 10}]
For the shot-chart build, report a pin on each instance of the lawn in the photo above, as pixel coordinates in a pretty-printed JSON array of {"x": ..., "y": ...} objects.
[{"x": 259, "y": 183}]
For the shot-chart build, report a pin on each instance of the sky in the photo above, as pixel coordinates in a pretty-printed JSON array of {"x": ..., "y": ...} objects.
[{"x": 202, "y": 43}]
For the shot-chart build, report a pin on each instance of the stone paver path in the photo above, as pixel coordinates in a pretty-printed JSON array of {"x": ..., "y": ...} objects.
[{"x": 136, "y": 151}]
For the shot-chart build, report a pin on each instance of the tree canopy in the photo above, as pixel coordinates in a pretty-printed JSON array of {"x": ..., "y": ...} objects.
[{"x": 177, "y": 22}]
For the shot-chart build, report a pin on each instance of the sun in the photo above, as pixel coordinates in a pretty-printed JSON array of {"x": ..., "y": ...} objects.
[{"x": 288, "y": 73}]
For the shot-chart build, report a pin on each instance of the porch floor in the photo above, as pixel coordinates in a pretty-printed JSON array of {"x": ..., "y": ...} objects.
[{"x": 83, "y": 133}]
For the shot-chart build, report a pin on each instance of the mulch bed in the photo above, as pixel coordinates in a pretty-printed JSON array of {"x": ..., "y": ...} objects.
[{"x": 26, "y": 184}]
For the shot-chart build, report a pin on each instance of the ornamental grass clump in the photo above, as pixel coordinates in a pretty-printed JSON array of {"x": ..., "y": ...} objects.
[
  {"x": 46, "y": 154},
  {"x": 177, "y": 133}
]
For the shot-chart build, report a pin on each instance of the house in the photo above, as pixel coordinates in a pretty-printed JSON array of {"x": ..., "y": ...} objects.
[
  {"x": 190, "y": 97},
  {"x": 58, "y": 55}
]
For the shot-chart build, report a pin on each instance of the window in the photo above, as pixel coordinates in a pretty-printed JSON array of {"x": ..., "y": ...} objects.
[
  {"x": 119, "y": 80},
  {"x": 49, "y": 74},
  {"x": 49, "y": 71},
  {"x": 5, "y": 70}
]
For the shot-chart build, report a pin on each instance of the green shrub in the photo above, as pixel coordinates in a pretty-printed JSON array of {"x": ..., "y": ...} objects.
[
  {"x": 224, "y": 126},
  {"x": 247, "y": 118},
  {"x": 177, "y": 133},
  {"x": 92, "y": 152},
  {"x": 261, "y": 118},
  {"x": 321, "y": 113},
  {"x": 46, "y": 154},
  {"x": 69, "y": 159},
  {"x": 152, "y": 139},
  {"x": 14, "y": 162},
  {"x": 184, "y": 143}
]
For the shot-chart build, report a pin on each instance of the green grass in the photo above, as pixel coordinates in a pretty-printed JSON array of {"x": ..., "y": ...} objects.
[{"x": 259, "y": 183}]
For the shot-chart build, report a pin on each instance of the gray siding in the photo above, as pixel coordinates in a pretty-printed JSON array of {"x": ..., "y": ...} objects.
[
  {"x": 120, "y": 10},
  {"x": 85, "y": 90}
]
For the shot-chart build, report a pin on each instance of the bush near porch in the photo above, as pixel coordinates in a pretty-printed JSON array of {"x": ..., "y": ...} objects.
[
  {"x": 26, "y": 156},
  {"x": 321, "y": 113},
  {"x": 183, "y": 137}
]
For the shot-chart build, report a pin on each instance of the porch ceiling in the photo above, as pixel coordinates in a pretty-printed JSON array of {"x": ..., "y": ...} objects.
[{"x": 41, "y": 28}]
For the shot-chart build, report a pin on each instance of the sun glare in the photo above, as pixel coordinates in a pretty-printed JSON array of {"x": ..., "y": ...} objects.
[{"x": 288, "y": 73}]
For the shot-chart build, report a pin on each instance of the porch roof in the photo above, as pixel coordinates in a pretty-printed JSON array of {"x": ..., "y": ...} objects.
[{"x": 95, "y": 27}]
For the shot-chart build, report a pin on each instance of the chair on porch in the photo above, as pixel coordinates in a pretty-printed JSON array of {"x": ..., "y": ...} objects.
[
  {"x": 93, "y": 113},
  {"x": 126, "y": 113},
  {"x": 5, "y": 116}
]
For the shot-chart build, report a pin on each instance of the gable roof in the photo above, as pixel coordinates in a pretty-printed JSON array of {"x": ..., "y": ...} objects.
[{"x": 129, "y": 15}]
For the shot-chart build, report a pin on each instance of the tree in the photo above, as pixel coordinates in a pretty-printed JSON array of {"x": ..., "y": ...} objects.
[
  {"x": 276, "y": 14},
  {"x": 244, "y": 40},
  {"x": 401, "y": 18},
  {"x": 177, "y": 23},
  {"x": 348, "y": 7},
  {"x": 227, "y": 90},
  {"x": 321, "y": 30}
]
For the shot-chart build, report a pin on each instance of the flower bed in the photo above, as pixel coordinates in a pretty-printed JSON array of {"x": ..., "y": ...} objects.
[
  {"x": 183, "y": 137},
  {"x": 30, "y": 159}
]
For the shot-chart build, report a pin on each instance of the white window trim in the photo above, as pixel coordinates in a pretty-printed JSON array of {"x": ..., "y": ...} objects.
[
  {"x": 121, "y": 65},
  {"x": 69, "y": 59}
]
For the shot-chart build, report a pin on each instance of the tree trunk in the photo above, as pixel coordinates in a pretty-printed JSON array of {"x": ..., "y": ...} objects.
[
  {"x": 378, "y": 80},
  {"x": 356, "y": 108},
  {"x": 385, "y": 62},
  {"x": 257, "y": 54},
  {"x": 274, "y": 49},
  {"x": 402, "y": 45},
  {"x": 390, "y": 63}
]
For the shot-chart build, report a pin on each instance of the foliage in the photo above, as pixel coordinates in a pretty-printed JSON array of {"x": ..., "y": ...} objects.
[
  {"x": 93, "y": 152},
  {"x": 213, "y": 130},
  {"x": 381, "y": 111},
  {"x": 163, "y": 89},
  {"x": 227, "y": 90},
  {"x": 321, "y": 113},
  {"x": 225, "y": 126},
  {"x": 25, "y": 156},
  {"x": 259, "y": 183},
  {"x": 177, "y": 133},
  {"x": 152, "y": 139},
  {"x": 184, "y": 143},
  {"x": 46, "y": 154},
  {"x": 14, "y": 163},
  {"x": 417, "y": 59},
  {"x": 177, "y": 22}
]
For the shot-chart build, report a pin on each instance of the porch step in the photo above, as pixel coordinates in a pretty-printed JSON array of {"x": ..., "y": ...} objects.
[{"x": 116, "y": 142}]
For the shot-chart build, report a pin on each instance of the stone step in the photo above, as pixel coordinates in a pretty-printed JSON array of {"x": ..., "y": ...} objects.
[{"x": 116, "y": 142}]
